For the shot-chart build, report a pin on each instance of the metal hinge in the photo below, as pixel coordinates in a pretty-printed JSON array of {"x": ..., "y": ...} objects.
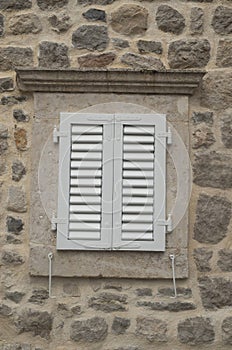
[
  {"x": 57, "y": 134},
  {"x": 55, "y": 221},
  {"x": 167, "y": 223},
  {"x": 167, "y": 134}
]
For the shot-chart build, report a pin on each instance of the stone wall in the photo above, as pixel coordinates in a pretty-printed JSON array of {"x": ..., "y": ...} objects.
[{"x": 120, "y": 314}]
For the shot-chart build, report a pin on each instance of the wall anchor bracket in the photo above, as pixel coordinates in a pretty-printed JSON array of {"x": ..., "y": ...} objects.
[
  {"x": 57, "y": 134},
  {"x": 168, "y": 223}
]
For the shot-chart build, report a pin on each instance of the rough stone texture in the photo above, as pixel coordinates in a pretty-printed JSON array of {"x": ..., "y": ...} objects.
[
  {"x": 11, "y": 258},
  {"x": 129, "y": 19},
  {"x": 203, "y": 137},
  {"x": 142, "y": 292},
  {"x": 146, "y": 46},
  {"x": 39, "y": 296},
  {"x": 197, "y": 20},
  {"x": 15, "y": 4},
  {"x": 92, "y": 60},
  {"x": 51, "y": 4},
  {"x": 3, "y": 138},
  {"x": 5, "y": 310},
  {"x": 207, "y": 169},
  {"x": 37, "y": 322},
  {"x": 60, "y": 22},
  {"x": 212, "y": 219},
  {"x": 17, "y": 201},
  {"x": 6, "y": 84},
  {"x": 202, "y": 117},
  {"x": 169, "y": 292},
  {"x": 95, "y": 2},
  {"x": 13, "y": 57},
  {"x": 142, "y": 62},
  {"x": 224, "y": 53},
  {"x": 152, "y": 329},
  {"x": 120, "y": 43},
  {"x": 95, "y": 15},
  {"x": 222, "y": 20},
  {"x": 25, "y": 24},
  {"x": 20, "y": 115},
  {"x": 2, "y": 165},
  {"x": 20, "y": 137},
  {"x": 14, "y": 225},
  {"x": 226, "y": 129},
  {"x": 169, "y": 20},
  {"x": 225, "y": 260},
  {"x": 120, "y": 325},
  {"x": 16, "y": 296},
  {"x": 196, "y": 331},
  {"x": 172, "y": 307},
  {"x": 189, "y": 53},
  {"x": 53, "y": 55},
  {"x": 216, "y": 293},
  {"x": 227, "y": 330},
  {"x": 18, "y": 170},
  {"x": 202, "y": 258},
  {"x": 18, "y": 346},
  {"x": 91, "y": 330},
  {"x": 108, "y": 302},
  {"x": 11, "y": 239},
  {"x": 91, "y": 37},
  {"x": 12, "y": 100},
  {"x": 113, "y": 285},
  {"x": 71, "y": 288}
]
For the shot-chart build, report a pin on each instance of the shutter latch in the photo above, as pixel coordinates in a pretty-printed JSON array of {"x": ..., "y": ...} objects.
[
  {"x": 55, "y": 221},
  {"x": 167, "y": 223},
  {"x": 167, "y": 134},
  {"x": 57, "y": 134}
]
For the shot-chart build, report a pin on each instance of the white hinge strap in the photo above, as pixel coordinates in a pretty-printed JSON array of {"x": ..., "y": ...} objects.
[
  {"x": 57, "y": 134},
  {"x": 55, "y": 221},
  {"x": 167, "y": 223},
  {"x": 167, "y": 135}
]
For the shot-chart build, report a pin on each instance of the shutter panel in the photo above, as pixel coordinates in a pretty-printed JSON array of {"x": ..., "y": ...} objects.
[
  {"x": 139, "y": 177},
  {"x": 86, "y": 182}
]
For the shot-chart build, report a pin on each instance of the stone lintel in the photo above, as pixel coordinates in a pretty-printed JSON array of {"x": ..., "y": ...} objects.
[{"x": 109, "y": 81}]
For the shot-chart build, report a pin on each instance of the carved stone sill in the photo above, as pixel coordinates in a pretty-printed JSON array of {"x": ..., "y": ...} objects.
[{"x": 109, "y": 81}]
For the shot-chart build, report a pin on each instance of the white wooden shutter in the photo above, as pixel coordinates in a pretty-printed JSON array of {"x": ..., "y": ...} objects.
[
  {"x": 85, "y": 182},
  {"x": 139, "y": 178}
]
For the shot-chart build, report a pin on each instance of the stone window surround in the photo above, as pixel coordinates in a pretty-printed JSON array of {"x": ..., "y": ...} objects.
[{"x": 126, "y": 83}]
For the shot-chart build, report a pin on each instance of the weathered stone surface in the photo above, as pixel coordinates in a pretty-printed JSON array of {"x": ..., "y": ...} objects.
[
  {"x": 20, "y": 137},
  {"x": 120, "y": 325},
  {"x": 20, "y": 115},
  {"x": 202, "y": 257},
  {"x": 18, "y": 346},
  {"x": 16, "y": 296},
  {"x": 113, "y": 285},
  {"x": 6, "y": 84},
  {"x": 152, "y": 329},
  {"x": 14, "y": 225},
  {"x": 64, "y": 310},
  {"x": 60, "y": 22},
  {"x": 225, "y": 260},
  {"x": 120, "y": 43},
  {"x": 15, "y": 4},
  {"x": 37, "y": 322},
  {"x": 76, "y": 310},
  {"x": 53, "y": 55},
  {"x": 108, "y": 302},
  {"x": 91, "y": 37},
  {"x": 71, "y": 288},
  {"x": 189, "y": 53},
  {"x": 39, "y": 296},
  {"x": 142, "y": 292},
  {"x": 169, "y": 20},
  {"x": 3, "y": 138},
  {"x": 216, "y": 293},
  {"x": 226, "y": 129},
  {"x": 11, "y": 239},
  {"x": 203, "y": 137},
  {"x": 12, "y": 100},
  {"x": 25, "y": 24},
  {"x": 95, "y": 2},
  {"x": 216, "y": 90},
  {"x": 169, "y": 292},
  {"x": 227, "y": 330},
  {"x": 207, "y": 169},
  {"x": 93, "y": 60},
  {"x": 2, "y": 165},
  {"x": 222, "y": 20},
  {"x": 213, "y": 215},
  {"x": 17, "y": 200},
  {"x": 146, "y": 46},
  {"x": 128, "y": 348},
  {"x": 51, "y": 4},
  {"x": 224, "y": 53},
  {"x": 172, "y": 307},
  {"x": 18, "y": 170},
  {"x": 5, "y": 310},
  {"x": 129, "y": 19},
  {"x": 197, "y": 20},
  {"x": 196, "y": 331},
  {"x": 91, "y": 330},
  {"x": 11, "y": 258},
  {"x": 142, "y": 62},
  {"x": 202, "y": 117},
  {"x": 13, "y": 57},
  {"x": 95, "y": 15}
]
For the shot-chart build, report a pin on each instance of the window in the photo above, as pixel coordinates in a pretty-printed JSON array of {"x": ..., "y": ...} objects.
[{"x": 112, "y": 191}]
